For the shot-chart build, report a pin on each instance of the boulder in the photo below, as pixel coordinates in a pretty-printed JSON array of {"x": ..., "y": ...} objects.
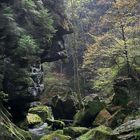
[
  {"x": 63, "y": 108},
  {"x": 99, "y": 133},
  {"x": 128, "y": 131},
  {"x": 33, "y": 119},
  {"x": 92, "y": 106},
  {"x": 44, "y": 112},
  {"x": 8, "y": 130},
  {"x": 75, "y": 131},
  {"x": 102, "y": 118},
  {"x": 56, "y": 124},
  {"x": 126, "y": 89}
]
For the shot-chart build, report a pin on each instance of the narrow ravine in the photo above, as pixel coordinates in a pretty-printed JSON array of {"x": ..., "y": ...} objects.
[{"x": 69, "y": 70}]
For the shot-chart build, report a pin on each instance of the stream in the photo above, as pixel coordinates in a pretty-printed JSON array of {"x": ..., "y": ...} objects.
[{"x": 39, "y": 131}]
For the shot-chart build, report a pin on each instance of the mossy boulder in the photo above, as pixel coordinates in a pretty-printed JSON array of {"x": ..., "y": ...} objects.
[
  {"x": 75, "y": 131},
  {"x": 99, "y": 133},
  {"x": 56, "y": 136},
  {"x": 56, "y": 124},
  {"x": 33, "y": 119},
  {"x": 8, "y": 130},
  {"x": 44, "y": 112},
  {"x": 11, "y": 132},
  {"x": 102, "y": 118},
  {"x": 92, "y": 106}
]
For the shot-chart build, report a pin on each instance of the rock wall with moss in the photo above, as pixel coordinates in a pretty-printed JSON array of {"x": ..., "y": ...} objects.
[{"x": 31, "y": 33}]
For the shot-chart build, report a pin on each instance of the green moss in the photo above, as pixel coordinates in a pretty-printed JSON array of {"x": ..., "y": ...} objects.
[
  {"x": 59, "y": 132},
  {"x": 56, "y": 124},
  {"x": 9, "y": 131},
  {"x": 137, "y": 134},
  {"x": 57, "y": 136},
  {"x": 33, "y": 119},
  {"x": 3, "y": 95},
  {"x": 43, "y": 111},
  {"x": 75, "y": 131},
  {"x": 99, "y": 133}
]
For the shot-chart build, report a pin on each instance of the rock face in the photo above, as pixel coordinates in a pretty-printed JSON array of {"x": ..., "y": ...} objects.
[{"x": 29, "y": 37}]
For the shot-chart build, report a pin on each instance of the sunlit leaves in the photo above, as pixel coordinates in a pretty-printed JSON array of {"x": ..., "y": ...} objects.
[{"x": 107, "y": 54}]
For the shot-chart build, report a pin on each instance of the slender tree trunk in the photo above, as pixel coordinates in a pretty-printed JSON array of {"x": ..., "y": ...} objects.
[
  {"x": 75, "y": 61},
  {"x": 126, "y": 50}
]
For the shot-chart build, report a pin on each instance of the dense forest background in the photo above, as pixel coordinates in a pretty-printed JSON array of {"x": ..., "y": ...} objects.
[
  {"x": 104, "y": 46},
  {"x": 69, "y": 69}
]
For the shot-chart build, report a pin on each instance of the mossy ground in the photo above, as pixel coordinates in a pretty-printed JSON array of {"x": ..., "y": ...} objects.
[
  {"x": 105, "y": 132},
  {"x": 75, "y": 131},
  {"x": 56, "y": 135}
]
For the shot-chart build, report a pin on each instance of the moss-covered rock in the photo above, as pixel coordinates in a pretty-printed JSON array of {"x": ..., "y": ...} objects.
[
  {"x": 92, "y": 106},
  {"x": 75, "y": 131},
  {"x": 56, "y": 135},
  {"x": 99, "y": 133},
  {"x": 33, "y": 119},
  {"x": 56, "y": 124},
  {"x": 8, "y": 130},
  {"x": 44, "y": 112}
]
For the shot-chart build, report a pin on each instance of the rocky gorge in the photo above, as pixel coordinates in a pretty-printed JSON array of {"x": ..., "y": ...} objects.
[{"x": 31, "y": 34}]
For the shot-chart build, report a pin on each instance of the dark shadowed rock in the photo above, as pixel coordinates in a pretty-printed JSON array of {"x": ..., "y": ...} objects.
[
  {"x": 63, "y": 108},
  {"x": 126, "y": 90},
  {"x": 92, "y": 106}
]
